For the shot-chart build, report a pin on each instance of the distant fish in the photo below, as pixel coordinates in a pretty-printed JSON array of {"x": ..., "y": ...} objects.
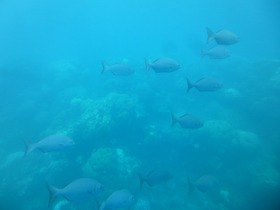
[
  {"x": 51, "y": 143},
  {"x": 79, "y": 190},
  {"x": 187, "y": 121},
  {"x": 121, "y": 199},
  {"x": 155, "y": 178},
  {"x": 205, "y": 84},
  {"x": 217, "y": 52},
  {"x": 222, "y": 37},
  {"x": 203, "y": 184},
  {"x": 119, "y": 69},
  {"x": 163, "y": 65}
]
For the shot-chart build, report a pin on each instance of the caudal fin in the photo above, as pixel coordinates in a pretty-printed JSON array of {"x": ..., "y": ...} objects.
[
  {"x": 104, "y": 67},
  {"x": 190, "y": 85},
  {"x": 28, "y": 148},
  {"x": 147, "y": 64},
  {"x": 141, "y": 181},
  {"x": 173, "y": 119},
  {"x": 210, "y": 34},
  {"x": 52, "y": 194},
  {"x": 191, "y": 186}
]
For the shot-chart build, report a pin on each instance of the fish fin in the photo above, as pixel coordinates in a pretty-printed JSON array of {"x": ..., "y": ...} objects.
[
  {"x": 52, "y": 194},
  {"x": 210, "y": 35},
  {"x": 28, "y": 148},
  {"x": 103, "y": 206},
  {"x": 173, "y": 119},
  {"x": 104, "y": 67},
  {"x": 141, "y": 181},
  {"x": 190, "y": 85},
  {"x": 148, "y": 65},
  {"x": 191, "y": 186}
]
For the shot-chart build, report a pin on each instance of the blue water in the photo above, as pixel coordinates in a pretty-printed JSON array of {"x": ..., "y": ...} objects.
[{"x": 51, "y": 54}]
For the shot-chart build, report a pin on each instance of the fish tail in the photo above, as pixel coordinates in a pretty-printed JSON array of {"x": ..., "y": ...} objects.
[
  {"x": 102, "y": 207},
  {"x": 191, "y": 186},
  {"x": 147, "y": 64},
  {"x": 104, "y": 67},
  {"x": 52, "y": 194},
  {"x": 28, "y": 148},
  {"x": 173, "y": 119},
  {"x": 141, "y": 181},
  {"x": 190, "y": 85},
  {"x": 210, "y": 34}
]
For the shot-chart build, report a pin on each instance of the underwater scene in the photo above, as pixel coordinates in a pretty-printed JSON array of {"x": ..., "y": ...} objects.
[{"x": 139, "y": 105}]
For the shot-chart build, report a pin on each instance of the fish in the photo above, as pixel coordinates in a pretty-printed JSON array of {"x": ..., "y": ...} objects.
[
  {"x": 187, "y": 121},
  {"x": 77, "y": 191},
  {"x": 120, "y": 199},
  {"x": 163, "y": 65},
  {"x": 155, "y": 178},
  {"x": 217, "y": 52},
  {"x": 222, "y": 37},
  {"x": 56, "y": 142},
  {"x": 118, "y": 69},
  {"x": 205, "y": 84},
  {"x": 203, "y": 184}
]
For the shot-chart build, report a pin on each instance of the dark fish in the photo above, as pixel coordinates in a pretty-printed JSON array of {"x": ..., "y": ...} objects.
[
  {"x": 120, "y": 199},
  {"x": 155, "y": 178},
  {"x": 222, "y": 37},
  {"x": 118, "y": 69},
  {"x": 217, "y": 52},
  {"x": 203, "y": 184},
  {"x": 163, "y": 65},
  {"x": 77, "y": 191},
  {"x": 206, "y": 84},
  {"x": 187, "y": 121},
  {"x": 51, "y": 143}
]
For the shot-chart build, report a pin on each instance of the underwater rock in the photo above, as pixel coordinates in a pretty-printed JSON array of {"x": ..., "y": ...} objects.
[
  {"x": 107, "y": 115},
  {"x": 107, "y": 163},
  {"x": 246, "y": 139}
]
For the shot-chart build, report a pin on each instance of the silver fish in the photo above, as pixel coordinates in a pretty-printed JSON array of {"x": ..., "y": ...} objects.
[
  {"x": 119, "y": 69},
  {"x": 79, "y": 190},
  {"x": 205, "y": 84},
  {"x": 120, "y": 199},
  {"x": 203, "y": 183},
  {"x": 222, "y": 37},
  {"x": 51, "y": 143},
  {"x": 217, "y": 52},
  {"x": 163, "y": 65},
  {"x": 155, "y": 178},
  {"x": 187, "y": 121}
]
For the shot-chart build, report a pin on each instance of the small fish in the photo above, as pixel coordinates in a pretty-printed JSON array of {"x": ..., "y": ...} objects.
[
  {"x": 187, "y": 121},
  {"x": 154, "y": 178},
  {"x": 217, "y": 52},
  {"x": 77, "y": 191},
  {"x": 51, "y": 143},
  {"x": 163, "y": 65},
  {"x": 203, "y": 184},
  {"x": 119, "y": 69},
  {"x": 205, "y": 84},
  {"x": 121, "y": 199},
  {"x": 222, "y": 37}
]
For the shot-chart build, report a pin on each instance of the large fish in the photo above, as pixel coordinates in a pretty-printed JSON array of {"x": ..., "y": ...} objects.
[
  {"x": 222, "y": 37},
  {"x": 203, "y": 183},
  {"x": 187, "y": 121},
  {"x": 163, "y": 65},
  {"x": 51, "y": 143},
  {"x": 79, "y": 190},
  {"x": 121, "y": 199},
  {"x": 154, "y": 178},
  {"x": 217, "y": 52},
  {"x": 119, "y": 69},
  {"x": 205, "y": 84}
]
